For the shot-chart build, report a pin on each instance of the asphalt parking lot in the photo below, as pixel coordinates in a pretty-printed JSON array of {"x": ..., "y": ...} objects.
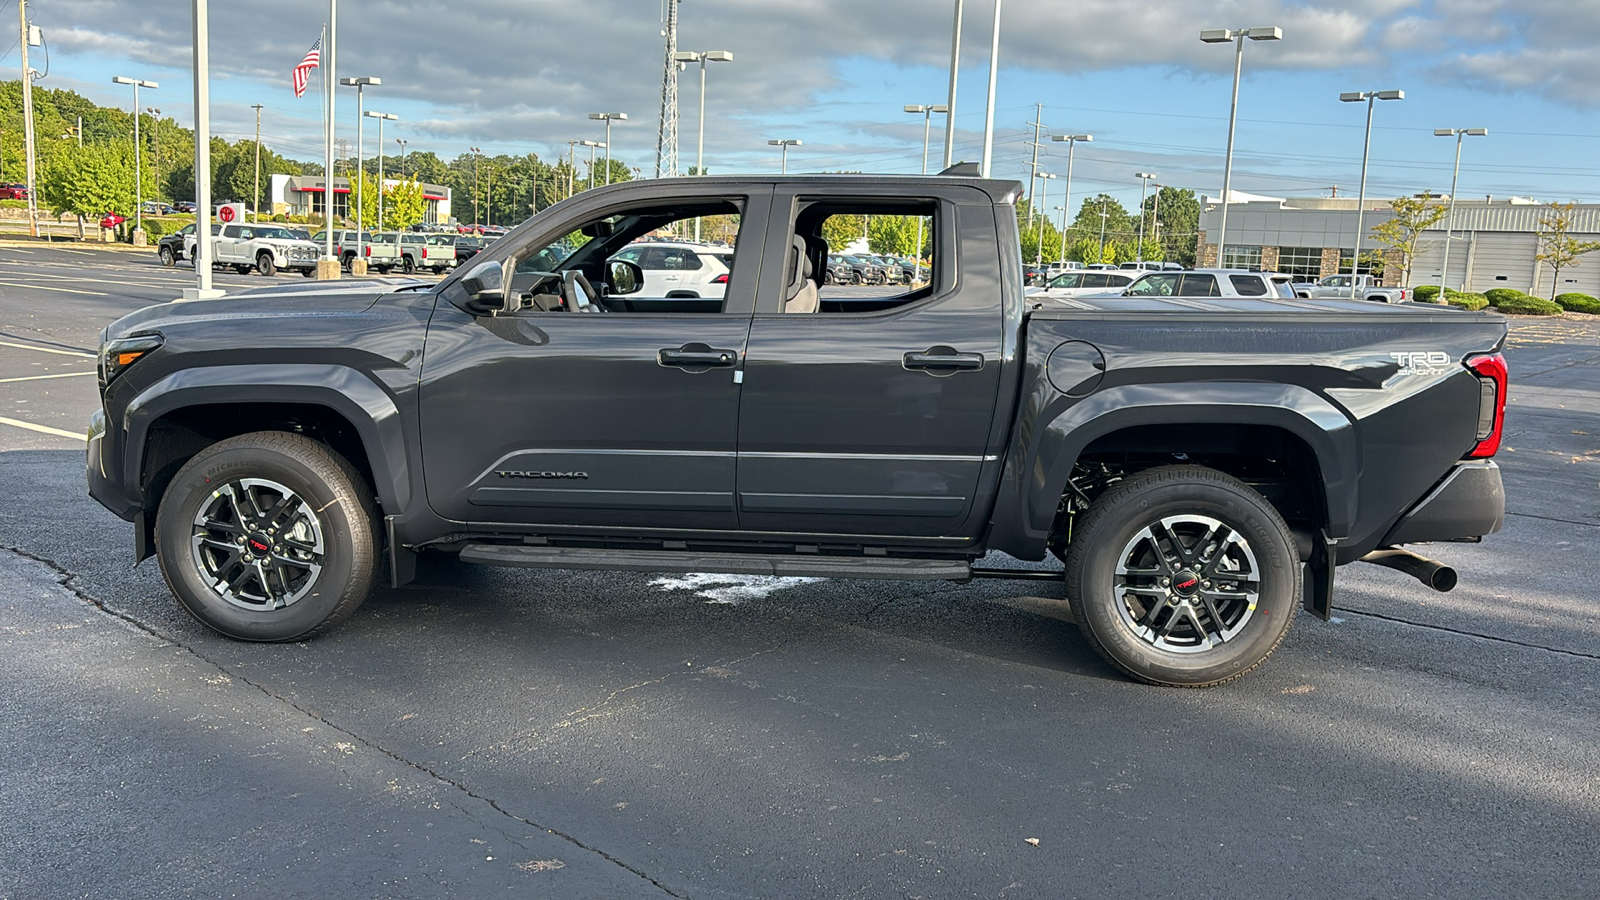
[{"x": 564, "y": 734}]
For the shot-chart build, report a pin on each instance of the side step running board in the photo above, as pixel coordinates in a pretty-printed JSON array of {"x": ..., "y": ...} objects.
[{"x": 720, "y": 563}]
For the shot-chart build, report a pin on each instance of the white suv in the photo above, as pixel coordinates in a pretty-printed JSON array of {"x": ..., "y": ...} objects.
[
  {"x": 678, "y": 270},
  {"x": 1209, "y": 283}
]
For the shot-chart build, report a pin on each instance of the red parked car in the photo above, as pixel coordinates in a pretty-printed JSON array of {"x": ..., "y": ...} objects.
[
  {"x": 13, "y": 191},
  {"x": 111, "y": 220}
]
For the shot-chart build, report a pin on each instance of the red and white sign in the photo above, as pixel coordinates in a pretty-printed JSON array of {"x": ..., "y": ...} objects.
[{"x": 231, "y": 212}]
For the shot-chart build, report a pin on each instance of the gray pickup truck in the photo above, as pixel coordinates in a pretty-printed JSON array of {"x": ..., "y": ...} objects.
[
  {"x": 1352, "y": 287},
  {"x": 1200, "y": 465}
]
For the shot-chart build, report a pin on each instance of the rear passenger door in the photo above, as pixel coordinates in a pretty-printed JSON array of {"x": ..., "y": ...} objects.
[{"x": 875, "y": 413}]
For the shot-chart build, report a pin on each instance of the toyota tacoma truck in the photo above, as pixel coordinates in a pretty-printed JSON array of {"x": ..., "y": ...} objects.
[{"x": 1200, "y": 465}]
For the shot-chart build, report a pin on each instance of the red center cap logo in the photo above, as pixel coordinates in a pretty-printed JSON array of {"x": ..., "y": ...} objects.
[
  {"x": 1186, "y": 583},
  {"x": 259, "y": 547},
  {"x": 225, "y": 214}
]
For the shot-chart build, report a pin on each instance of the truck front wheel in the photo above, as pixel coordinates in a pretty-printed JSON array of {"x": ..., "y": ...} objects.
[
  {"x": 266, "y": 265},
  {"x": 1183, "y": 576},
  {"x": 268, "y": 537}
]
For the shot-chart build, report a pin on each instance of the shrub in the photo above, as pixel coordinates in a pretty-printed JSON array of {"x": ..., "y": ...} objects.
[
  {"x": 1578, "y": 303},
  {"x": 1426, "y": 293},
  {"x": 280, "y": 217},
  {"x": 154, "y": 228},
  {"x": 1467, "y": 301},
  {"x": 1497, "y": 295},
  {"x": 1522, "y": 303}
]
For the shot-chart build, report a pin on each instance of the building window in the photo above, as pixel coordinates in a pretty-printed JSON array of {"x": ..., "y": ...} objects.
[
  {"x": 1301, "y": 262},
  {"x": 1346, "y": 253},
  {"x": 1235, "y": 257}
]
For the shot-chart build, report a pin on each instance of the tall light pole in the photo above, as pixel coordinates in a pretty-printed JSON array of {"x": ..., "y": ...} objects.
[
  {"x": 1450, "y": 221},
  {"x": 381, "y": 117},
  {"x": 1044, "y": 198},
  {"x": 1103, "y": 214},
  {"x": 477, "y": 156},
  {"x": 1371, "y": 97},
  {"x": 1062, "y": 259},
  {"x": 950, "y": 100},
  {"x": 360, "y": 84},
  {"x": 488, "y": 197},
  {"x": 27, "y": 113},
  {"x": 609, "y": 118},
  {"x": 1222, "y": 36},
  {"x": 988, "y": 112},
  {"x": 1072, "y": 146},
  {"x": 202, "y": 289},
  {"x": 255, "y": 198},
  {"x": 138, "y": 180},
  {"x": 572, "y": 168},
  {"x": 592, "y": 145},
  {"x": 786, "y": 143},
  {"x": 702, "y": 57},
  {"x": 927, "y": 111},
  {"x": 1144, "y": 193},
  {"x": 402, "y": 142}
]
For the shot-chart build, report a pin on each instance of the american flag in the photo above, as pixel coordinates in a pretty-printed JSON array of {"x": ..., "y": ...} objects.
[{"x": 302, "y": 72}]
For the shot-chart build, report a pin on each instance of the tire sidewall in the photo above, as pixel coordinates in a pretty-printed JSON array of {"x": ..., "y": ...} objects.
[
  {"x": 167, "y": 258},
  {"x": 1094, "y": 563},
  {"x": 174, "y": 527}
]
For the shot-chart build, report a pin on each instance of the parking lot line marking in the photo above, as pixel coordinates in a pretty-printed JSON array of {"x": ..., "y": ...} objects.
[
  {"x": 77, "y": 353},
  {"x": 45, "y": 429},
  {"x": 42, "y": 287},
  {"x": 43, "y": 377},
  {"x": 79, "y": 252},
  {"x": 154, "y": 284}
]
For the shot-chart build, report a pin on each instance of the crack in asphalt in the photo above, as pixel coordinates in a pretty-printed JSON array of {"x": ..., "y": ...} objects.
[
  {"x": 66, "y": 581},
  {"x": 1552, "y": 519},
  {"x": 1465, "y": 633}
]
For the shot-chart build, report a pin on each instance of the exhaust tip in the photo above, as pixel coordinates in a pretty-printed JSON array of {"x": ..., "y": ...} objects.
[{"x": 1432, "y": 573}]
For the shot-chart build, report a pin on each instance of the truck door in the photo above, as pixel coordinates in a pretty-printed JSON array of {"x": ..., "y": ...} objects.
[
  {"x": 624, "y": 418},
  {"x": 223, "y": 246},
  {"x": 870, "y": 409}
]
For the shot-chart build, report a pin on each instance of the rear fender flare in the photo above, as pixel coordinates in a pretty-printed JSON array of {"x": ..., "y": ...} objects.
[
  {"x": 1065, "y": 430},
  {"x": 346, "y": 391}
]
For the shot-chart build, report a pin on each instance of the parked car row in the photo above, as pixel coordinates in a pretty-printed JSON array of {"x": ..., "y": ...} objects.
[
  {"x": 268, "y": 247},
  {"x": 1167, "y": 283}
]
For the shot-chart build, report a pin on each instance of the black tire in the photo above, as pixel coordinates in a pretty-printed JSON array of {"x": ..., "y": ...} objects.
[
  {"x": 166, "y": 256},
  {"x": 1159, "y": 619},
  {"x": 346, "y": 260},
  {"x": 314, "y": 498},
  {"x": 266, "y": 265},
  {"x": 309, "y": 273},
  {"x": 408, "y": 265}
]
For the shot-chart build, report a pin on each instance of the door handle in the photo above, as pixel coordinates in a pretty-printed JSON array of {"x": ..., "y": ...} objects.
[
  {"x": 941, "y": 358},
  {"x": 697, "y": 356}
]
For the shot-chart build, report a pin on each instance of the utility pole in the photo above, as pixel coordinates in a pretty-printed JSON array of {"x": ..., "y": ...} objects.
[
  {"x": 255, "y": 198},
  {"x": 27, "y": 120},
  {"x": 572, "y": 168},
  {"x": 1033, "y": 165},
  {"x": 477, "y": 156},
  {"x": 155, "y": 137},
  {"x": 488, "y": 199}
]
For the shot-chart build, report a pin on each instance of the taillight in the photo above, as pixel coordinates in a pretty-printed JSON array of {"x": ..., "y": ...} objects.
[
  {"x": 1492, "y": 383},
  {"x": 367, "y": 250},
  {"x": 720, "y": 279}
]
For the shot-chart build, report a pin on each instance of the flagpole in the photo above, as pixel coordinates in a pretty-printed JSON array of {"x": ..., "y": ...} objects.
[{"x": 325, "y": 269}]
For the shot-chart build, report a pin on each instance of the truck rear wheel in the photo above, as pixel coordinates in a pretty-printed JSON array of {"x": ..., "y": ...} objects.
[
  {"x": 268, "y": 537},
  {"x": 1183, "y": 576}
]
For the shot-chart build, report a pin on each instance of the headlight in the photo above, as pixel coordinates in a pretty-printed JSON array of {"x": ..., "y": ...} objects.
[{"x": 116, "y": 356}]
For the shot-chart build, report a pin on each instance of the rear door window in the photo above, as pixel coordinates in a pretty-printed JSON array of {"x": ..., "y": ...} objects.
[
  {"x": 1248, "y": 285},
  {"x": 1200, "y": 286}
]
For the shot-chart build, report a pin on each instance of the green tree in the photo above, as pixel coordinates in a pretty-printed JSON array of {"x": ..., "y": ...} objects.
[
  {"x": 1557, "y": 247},
  {"x": 895, "y": 235},
  {"x": 1172, "y": 222},
  {"x": 403, "y": 205},
  {"x": 370, "y": 196},
  {"x": 1412, "y": 216},
  {"x": 842, "y": 230},
  {"x": 90, "y": 182}
]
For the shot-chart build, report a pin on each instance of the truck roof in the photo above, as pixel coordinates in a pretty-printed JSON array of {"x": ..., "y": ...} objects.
[{"x": 1001, "y": 190}]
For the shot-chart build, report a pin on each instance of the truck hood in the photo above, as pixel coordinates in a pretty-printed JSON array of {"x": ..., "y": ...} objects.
[{"x": 311, "y": 298}]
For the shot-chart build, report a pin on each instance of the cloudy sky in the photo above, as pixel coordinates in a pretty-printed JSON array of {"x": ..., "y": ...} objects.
[{"x": 520, "y": 76}]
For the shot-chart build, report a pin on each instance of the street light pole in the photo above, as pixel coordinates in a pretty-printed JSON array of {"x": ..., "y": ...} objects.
[
  {"x": 202, "y": 156},
  {"x": 138, "y": 180},
  {"x": 609, "y": 117},
  {"x": 1222, "y": 36},
  {"x": 381, "y": 117},
  {"x": 988, "y": 113},
  {"x": 1044, "y": 198},
  {"x": 1371, "y": 97},
  {"x": 1062, "y": 258},
  {"x": 592, "y": 145},
  {"x": 927, "y": 112},
  {"x": 477, "y": 155},
  {"x": 255, "y": 198},
  {"x": 1072, "y": 146},
  {"x": 1144, "y": 193},
  {"x": 402, "y": 142},
  {"x": 360, "y": 85},
  {"x": 786, "y": 143},
  {"x": 1103, "y": 214},
  {"x": 950, "y": 100},
  {"x": 1450, "y": 222}
]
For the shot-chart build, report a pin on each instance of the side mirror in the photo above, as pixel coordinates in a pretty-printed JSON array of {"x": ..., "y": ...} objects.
[
  {"x": 486, "y": 289},
  {"x": 623, "y": 277}
]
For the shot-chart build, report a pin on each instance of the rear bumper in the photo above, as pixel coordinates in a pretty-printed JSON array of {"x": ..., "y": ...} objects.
[{"x": 1470, "y": 502}]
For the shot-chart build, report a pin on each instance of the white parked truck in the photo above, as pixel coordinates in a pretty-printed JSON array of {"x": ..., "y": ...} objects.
[{"x": 1339, "y": 287}]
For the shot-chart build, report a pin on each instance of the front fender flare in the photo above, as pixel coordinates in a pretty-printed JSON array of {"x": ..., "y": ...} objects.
[
  {"x": 350, "y": 393},
  {"x": 1062, "y": 429}
]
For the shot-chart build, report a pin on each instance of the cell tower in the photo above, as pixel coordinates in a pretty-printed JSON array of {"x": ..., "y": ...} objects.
[{"x": 667, "y": 134}]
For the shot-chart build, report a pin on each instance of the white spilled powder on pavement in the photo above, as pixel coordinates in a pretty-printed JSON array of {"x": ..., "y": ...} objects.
[{"x": 731, "y": 590}]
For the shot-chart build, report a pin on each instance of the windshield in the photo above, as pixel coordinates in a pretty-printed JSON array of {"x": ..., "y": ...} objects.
[{"x": 276, "y": 234}]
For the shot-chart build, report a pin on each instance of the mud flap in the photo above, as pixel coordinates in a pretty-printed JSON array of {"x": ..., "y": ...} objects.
[
  {"x": 402, "y": 561},
  {"x": 1318, "y": 578}
]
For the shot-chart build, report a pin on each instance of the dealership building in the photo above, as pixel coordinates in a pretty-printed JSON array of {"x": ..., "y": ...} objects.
[
  {"x": 1494, "y": 244},
  {"x": 302, "y": 195}
]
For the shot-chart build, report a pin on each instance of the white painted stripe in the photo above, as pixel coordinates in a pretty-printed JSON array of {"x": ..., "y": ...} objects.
[
  {"x": 44, "y": 429},
  {"x": 43, "y": 377},
  {"x": 41, "y": 287},
  {"x": 78, "y": 353}
]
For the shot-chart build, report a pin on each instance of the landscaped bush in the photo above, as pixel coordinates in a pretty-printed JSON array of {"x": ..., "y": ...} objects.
[
  {"x": 1578, "y": 303},
  {"x": 154, "y": 228},
  {"x": 1467, "y": 301},
  {"x": 1426, "y": 293},
  {"x": 1518, "y": 302},
  {"x": 1496, "y": 295}
]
